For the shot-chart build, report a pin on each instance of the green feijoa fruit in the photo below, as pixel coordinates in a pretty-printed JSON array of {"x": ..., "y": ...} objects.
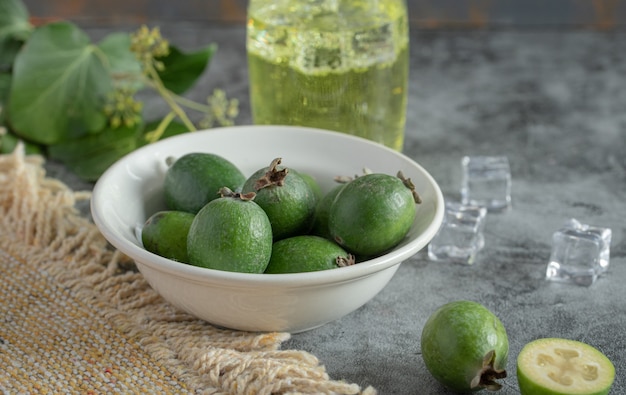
[
  {"x": 286, "y": 198},
  {"x": 195, "y": 179},
  {"x": 165, "y": 233},
  {"x": 307, "y": 253},
  {"x": 231, "y": 233},
  {"x": 313, "y": 184},
  {"x": 373, "y": 213},
  {"x": 465, "y": 346},
  {"x": 555, "y": 366},
  {"x": 322, "y": 212}
]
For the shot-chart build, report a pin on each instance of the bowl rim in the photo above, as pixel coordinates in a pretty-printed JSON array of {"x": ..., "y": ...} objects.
[{"x": 143, "y": 257}]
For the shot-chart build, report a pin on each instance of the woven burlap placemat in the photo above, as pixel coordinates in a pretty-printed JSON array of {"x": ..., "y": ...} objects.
[{"x": 77, "y": 317}]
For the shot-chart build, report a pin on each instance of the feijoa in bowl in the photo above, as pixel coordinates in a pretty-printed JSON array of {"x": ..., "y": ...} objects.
[{"x": 132, "y": 189}]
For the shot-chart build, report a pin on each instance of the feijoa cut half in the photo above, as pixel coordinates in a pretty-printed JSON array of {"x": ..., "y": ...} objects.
[
  {"x": 555, "y": 366},
  {"x": 465, "y": 346}
]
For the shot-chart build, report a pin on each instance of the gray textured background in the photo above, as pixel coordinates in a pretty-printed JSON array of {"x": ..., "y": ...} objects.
[
  {"x": 553, "y": 102},
  {"x": 598, "y": 14}
]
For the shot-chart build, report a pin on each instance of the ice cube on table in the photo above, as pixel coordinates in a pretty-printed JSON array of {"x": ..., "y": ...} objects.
[
  {"x": 486, "y": 182},
  {"x": 460, "y": 236},
  {"x": 580, "y": 253}
]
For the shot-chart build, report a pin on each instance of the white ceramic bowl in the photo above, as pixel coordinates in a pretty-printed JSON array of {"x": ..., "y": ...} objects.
[{"x": 131, "y": 190}]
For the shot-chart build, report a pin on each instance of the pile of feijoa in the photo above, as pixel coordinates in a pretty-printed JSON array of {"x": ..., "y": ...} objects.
[{"x": 276, "y": 220}]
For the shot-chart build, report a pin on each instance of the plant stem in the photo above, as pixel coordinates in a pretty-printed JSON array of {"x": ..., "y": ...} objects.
[
  {"x": 168, "y": 97},
  {"x": 191, "y": 104},
  {"x": 156, "y": 134}
]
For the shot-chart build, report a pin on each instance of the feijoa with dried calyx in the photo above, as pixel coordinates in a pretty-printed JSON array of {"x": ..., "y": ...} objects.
[
  {"x": 555, "y": 366},
  {"x": 231, "y": 233},
  {"x": 307, "y": 253},
  {"x": 373, "y": 213},
  {"x": 465, "y": 347},
  {"x": 195, "y": 179},
  {"x": 165, "y": 233},
  {"x": 286, "y": 197}
]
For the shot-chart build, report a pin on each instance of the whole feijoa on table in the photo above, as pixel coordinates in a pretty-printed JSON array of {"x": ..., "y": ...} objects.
[
  {"x": 465, "y": 346},
  {"x": 231, "y": 233},
  {"x": 286, "y": 198},
  {"x": 195, "y": 179},
  {"x": 373, "y": 213},
  {"x": 555, "y": 366},
  {"x": 165, "y": 233},
  {"x": 307, "y": 253}
]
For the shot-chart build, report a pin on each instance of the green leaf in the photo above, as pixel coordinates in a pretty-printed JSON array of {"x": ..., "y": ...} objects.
[
  {"x": 59, "y": 83},
  {"x": 89, "y": 156},
  {"x": 8, "y": 142},
  {"x": 8, "y": 51},
  {"x": 14, "y": 30},
  {"x": 182, "y": 70},
  {"x": 122, "y": 63},
  {"x": 14, "y": 20},
  {"x": 5, "y": 84}
]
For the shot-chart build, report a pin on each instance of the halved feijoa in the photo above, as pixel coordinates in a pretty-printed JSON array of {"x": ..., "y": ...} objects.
[{"x": 554, "y": 366}]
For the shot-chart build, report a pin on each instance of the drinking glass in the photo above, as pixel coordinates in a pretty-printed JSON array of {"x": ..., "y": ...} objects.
[{"x": 340, "y": 65}]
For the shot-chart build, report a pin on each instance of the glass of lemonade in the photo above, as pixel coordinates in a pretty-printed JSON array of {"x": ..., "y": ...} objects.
[{"x": 340, "y": 65}]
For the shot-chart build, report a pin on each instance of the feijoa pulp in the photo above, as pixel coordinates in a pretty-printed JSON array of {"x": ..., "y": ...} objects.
[
  {"x": 465, "y": 346},
  {"x": 231, "y": 233},
  {"x": 555, "y": 366}
]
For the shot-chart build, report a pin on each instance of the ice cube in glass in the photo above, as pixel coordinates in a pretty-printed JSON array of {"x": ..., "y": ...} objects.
[
  {"x": 486, "y": 182},
  {"x": 460, "y": 236},
  {"x": 580, "y": 253}
]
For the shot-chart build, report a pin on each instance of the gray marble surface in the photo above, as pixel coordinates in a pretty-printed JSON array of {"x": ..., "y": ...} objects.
[{"x": 554, "y": 103}]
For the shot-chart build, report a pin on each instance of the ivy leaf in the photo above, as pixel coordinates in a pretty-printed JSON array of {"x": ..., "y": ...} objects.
[
  {"x": 182, "y": 70},
  {"x": 5, "y": 85},
  {"x": 59, "y": 83},
  {"x": 14, "y": 22},
  {"x": 8, "y": 51},
  {"x": 8, "y": 142},
  {"x": 14, "y": 30},
  {"x": 122, "y": 63},
  {"x": 89, "y": 156}
]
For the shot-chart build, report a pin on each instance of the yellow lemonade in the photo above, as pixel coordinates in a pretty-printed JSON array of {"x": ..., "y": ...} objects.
[{"x": 336, "y": 64}]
